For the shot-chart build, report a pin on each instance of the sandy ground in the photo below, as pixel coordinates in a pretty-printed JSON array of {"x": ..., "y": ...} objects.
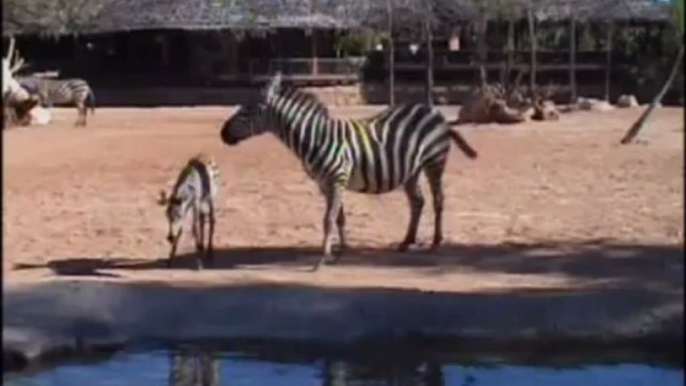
[{"x": 81, "y": 201}]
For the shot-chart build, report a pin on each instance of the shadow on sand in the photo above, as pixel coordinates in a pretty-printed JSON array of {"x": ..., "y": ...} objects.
[
  {"x": 639, "y": 299},
  {"x": 654, "y": 266}
]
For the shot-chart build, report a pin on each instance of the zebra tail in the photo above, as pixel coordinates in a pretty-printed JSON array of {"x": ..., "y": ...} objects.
[
  {"x": 462, "y": 144},
  {"x": 91, "y": 99}
]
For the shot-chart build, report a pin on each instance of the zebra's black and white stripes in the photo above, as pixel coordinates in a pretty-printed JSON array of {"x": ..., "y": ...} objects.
[
  {"x": 62, "y": 91},
  {"x": 194, "y": 195},
  {"x": 375, "y": 155}
]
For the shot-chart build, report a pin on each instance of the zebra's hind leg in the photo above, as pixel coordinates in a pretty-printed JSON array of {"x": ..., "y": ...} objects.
[
  {"x": 416, "y": 201},
  {"x": 334, "y": 198},
  {"x": 209, "y": 254},
  {"x": 434, "y": 175}
]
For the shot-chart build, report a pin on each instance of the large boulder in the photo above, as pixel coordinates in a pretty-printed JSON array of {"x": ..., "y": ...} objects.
[
  {"x": 592, "y": 104},
  {"x": 627, "y": 101},
  {"x": 501, "y": 113},
  {"x": 477, "y": 109},
  {"x": 39, "y": 116},
  {"x": 545, "y": 111}
]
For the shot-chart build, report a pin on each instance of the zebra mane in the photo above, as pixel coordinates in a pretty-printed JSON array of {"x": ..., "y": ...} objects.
[{"x": 305, "y": 96}]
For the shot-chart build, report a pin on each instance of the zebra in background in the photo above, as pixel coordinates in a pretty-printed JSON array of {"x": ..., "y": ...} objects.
[
  {"x": 194, "y": 193},
  {"x": 62, "y": 91},
  {"x": 374, "y": 156}
]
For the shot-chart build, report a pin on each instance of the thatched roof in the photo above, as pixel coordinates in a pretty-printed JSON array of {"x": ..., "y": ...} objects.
[
  {"x": 601, "y": 10},
  {"x": 409, "y": 15},
  {"x": 99, "y": 16},
  {"x": 131, "y": 15},
  {"x": 217, "y": 14}
]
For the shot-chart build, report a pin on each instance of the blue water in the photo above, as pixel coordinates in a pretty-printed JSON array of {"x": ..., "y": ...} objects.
[{"x": 151, "y": 368}]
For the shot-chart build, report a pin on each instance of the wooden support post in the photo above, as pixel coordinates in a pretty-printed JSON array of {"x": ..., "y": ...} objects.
[
  {"x": 391, "y": 55},
  {"x": 234, "y": 55},
  {"x": 608, "y": 60},
  {"x": 164, "y": 49},
  {"x": 572, "y": 58},
  {"x": 510, "y": 47},
  {"x": 481, "y": 46},
  {"x": 533, "y": 44},
  {"x": 315, "y": 61},
  {"x": 647, "y": 32}
]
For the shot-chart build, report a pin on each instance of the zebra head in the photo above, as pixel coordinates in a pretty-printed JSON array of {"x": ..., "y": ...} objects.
[{"x": 253, "y": 117}]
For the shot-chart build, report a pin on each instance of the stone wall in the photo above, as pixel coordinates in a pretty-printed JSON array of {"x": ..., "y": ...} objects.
[{"x": 330, "y": 95}]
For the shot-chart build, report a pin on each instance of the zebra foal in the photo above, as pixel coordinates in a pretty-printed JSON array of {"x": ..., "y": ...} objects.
[
  {"x": 194, "y": 195},
  {"x": 62, "y": 91},
  {"x": 373, "y": 156}
]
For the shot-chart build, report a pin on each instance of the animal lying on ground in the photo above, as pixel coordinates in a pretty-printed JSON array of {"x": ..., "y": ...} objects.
[
  {"x": 374, "y": 156},
  {"x": 193, "y": 195},
  {"x": 62, "y": 91}
]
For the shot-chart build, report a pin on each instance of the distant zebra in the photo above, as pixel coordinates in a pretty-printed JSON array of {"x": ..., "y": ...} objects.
[
  {"x": 194, "y": 193},
  {"x": 62, "y": 91},
  {"x": 374, "y": 156}
]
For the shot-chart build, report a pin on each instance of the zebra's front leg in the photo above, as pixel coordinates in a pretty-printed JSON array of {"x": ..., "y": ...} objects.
[
  {"x": 175, "y": 243},
  {"x": 81, "y": 120},
  {"x": 416, "y": 201},
  {"x": 334, "y": 196},
  {"x": 198, "y": 230}
]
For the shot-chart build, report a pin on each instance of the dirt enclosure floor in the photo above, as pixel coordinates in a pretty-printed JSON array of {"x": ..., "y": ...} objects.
[{"x": 545, "y": 206}]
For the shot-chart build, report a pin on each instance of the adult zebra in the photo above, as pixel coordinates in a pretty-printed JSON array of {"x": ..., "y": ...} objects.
[
  {"x": 375, "y": 155},
  {"x": 62, "y": 91}
]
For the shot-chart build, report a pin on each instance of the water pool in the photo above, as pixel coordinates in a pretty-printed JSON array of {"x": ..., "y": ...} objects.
[{"x": 195, "y": 365}]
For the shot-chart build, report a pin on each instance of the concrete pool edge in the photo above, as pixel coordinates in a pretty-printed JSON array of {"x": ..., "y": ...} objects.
[{"x": 81, "y": 315}]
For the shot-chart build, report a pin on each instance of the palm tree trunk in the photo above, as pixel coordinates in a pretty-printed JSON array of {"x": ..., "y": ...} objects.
[{"x": 638, "y": 125}]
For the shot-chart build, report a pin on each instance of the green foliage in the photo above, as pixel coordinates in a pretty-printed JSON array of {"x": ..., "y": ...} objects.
[
  {"x": 678, "y": 16},
  {"x": 357, "y": 43}
]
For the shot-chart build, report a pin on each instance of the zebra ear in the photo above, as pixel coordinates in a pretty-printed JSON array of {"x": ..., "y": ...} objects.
[
  {"x": 162, "y": 199},
  {"x": 274, "y": 85}
]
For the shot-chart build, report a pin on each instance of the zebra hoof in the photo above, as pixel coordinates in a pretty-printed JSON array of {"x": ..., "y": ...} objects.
[
  {"x": 320, "y": 263},
  {"x": 337, "y": 258},
  {"x": 403, "y": 247}
]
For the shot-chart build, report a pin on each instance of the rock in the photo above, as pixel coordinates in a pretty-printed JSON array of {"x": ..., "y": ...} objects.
[
  {"x": 39, "y": 116},
  {"x": 546, "y": 111},
  {"x": 592, "y": 104},
  {"x": 477, "y": 110},
  {"x": 627, "y": 101},
  {"x": 500, "y": 113}
]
